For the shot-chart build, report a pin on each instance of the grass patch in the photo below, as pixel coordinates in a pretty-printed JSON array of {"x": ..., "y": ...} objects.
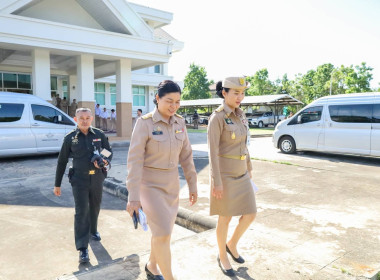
[
  {"x": 259, "y": 131},
  {"x": 276, "y": 161},
  {"x": 192, "y": 130}
]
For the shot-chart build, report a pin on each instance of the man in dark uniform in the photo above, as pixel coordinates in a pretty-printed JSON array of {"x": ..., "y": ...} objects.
[{"x": 86, "y": 177}]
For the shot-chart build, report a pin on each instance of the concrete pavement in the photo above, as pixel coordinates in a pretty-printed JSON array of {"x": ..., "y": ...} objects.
[{"x": 317, "y": 219}]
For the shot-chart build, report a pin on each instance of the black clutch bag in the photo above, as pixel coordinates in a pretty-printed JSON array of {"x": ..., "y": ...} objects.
[{"x": 134, "y": 219}]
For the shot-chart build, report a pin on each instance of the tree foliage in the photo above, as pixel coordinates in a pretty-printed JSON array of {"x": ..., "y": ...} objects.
[{"x": 196, "y": 84}]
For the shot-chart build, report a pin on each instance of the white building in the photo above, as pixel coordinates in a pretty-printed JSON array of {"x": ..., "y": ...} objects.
[{"x": 110, "y": 52}]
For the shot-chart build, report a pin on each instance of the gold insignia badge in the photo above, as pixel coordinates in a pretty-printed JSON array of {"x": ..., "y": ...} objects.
[
  {"x": 91, "y": 172},
  {"x": 242, "y": 81},
  {"x": 233, "y": 136}
]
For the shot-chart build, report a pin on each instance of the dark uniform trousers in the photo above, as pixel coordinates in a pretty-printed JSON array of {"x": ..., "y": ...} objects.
[{"x": 87, "y": 192}]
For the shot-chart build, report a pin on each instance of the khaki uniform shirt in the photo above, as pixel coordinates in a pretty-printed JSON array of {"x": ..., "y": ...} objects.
[
  {"x": 227, "y": 137},
  {"x": 159, "y": 144}
]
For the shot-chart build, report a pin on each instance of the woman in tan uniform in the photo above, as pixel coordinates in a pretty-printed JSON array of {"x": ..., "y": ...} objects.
[
  {"x": 232, "y": 193},
  {"x": 159, "y": 142}
]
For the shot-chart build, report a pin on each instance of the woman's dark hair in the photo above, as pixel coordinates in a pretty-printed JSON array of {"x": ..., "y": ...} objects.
[
  {"x": 166, "y": 87},
  {"x": 219, "y": 89}
]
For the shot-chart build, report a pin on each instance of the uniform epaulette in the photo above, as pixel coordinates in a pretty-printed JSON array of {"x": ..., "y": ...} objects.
[
  {"x": 220, "y": 108},
  {"x": 70, "y": 132},
  {"x": 179, "y": 116},
  {"x": 147, "y": 116}
]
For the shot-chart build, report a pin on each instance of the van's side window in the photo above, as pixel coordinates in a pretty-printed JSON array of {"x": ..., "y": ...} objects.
[
  {"x": 355, "y": 113},
  {"x": 311, "y": 114},
  {"x": 10, "y": 112},
  {"x": 376, "y": 113},
  {"x": 47, "y": 114}
]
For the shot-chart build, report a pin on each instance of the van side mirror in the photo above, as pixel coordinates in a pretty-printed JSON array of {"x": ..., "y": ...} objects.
[
  {"x": 299, "y": 119},
  {"x": 59, "y": 118}
]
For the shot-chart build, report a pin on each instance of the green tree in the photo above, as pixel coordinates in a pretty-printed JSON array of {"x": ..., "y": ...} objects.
[
  {"x": 260, "y": 84},
  {"x": 196, "y": 84}
]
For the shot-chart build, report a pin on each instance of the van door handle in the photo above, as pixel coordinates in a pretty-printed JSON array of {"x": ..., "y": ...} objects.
[{"x": 36, "y": 124}]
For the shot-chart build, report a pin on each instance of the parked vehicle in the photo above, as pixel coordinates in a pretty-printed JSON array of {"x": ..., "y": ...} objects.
[
  {"x": 348, "y": 123},
  {"x": 264, "y": 119},
  {"x": 31, "y": 125}
]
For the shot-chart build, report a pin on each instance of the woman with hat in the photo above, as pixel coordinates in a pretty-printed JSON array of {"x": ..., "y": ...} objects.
[
  {"x": 159, "y": 143},
  {"x": 232, "y": 193}
]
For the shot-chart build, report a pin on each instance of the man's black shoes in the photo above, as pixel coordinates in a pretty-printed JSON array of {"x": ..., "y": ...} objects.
[
  {"x": 95, "y": 236},
  {"x": 83, "y": 256}
]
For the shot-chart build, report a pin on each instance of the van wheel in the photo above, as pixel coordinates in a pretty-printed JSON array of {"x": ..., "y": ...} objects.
[
  {"x": 287, "y": 145},
  {"x": 261, "y": 124}
]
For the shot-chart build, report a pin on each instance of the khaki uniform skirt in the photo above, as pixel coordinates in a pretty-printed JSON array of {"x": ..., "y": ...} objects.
[
  {"x": 238, "y": 194},
  {"x": 159, "y": 195}
]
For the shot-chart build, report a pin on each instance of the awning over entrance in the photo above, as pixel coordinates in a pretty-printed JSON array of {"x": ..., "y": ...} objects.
[{"x": 259, "y": 100}]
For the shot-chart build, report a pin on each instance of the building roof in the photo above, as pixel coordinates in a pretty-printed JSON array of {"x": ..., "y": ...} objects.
[{"x": 258, "y": 100}]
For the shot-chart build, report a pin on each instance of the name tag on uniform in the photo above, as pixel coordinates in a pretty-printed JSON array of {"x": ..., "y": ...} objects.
[
  {"x": 228, "y": 121},
  {"x": 180, "y": 130},
  {"x": 157, "y": 132}
]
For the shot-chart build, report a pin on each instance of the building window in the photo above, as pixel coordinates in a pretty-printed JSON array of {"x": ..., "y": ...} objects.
[
  {"x": 65, "y": 91},
  {"x": 10, "y": 80},
  {"x": 157, "y": 69},
  {"x": 113, "y": 94},
  {"x": 53, "y": 85},
  {"x": 15, "y": 82},
  {"x": 100, "y": 93},
  {"x": 138, "y": 95}
]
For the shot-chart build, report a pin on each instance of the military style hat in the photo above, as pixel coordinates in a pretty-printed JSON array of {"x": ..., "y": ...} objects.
[{"x": 235, "y": 83}]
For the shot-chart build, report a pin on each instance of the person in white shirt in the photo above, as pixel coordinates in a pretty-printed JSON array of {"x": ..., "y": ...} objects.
[
  {"x": 104, "y": 117},
  {"x": 97, "y": 115},
  {"x": 113, "y": 121}
]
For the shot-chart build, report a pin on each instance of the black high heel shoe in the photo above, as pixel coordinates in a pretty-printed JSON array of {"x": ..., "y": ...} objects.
[
  {"x": 238, "y": 260},
  {"x": 151, "y": 276},
  {"x": 229, "y": 272}
]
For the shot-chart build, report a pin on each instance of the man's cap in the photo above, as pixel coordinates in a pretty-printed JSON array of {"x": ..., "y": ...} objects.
[{"x": 235, "y": 83}]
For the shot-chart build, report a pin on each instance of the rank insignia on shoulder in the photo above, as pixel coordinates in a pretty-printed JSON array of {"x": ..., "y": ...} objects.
[
  {"x": 220, "y": 109},
  {"x": 180, "y": 130},
  {"x": 228, "y": 121},
  {"x": 74, "y": 140},
  {"x": 147, "y": 116}
]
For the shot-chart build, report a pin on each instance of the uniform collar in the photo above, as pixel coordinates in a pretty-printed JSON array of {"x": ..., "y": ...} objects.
[
  {"x": 237, "y": 112},
  {"x": 89, "y": 130},
  {"x": 158, "y": 117}
]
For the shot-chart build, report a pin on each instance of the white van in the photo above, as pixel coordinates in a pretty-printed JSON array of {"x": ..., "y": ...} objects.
[
  {"x": 347, "y": 123},
  {"x": 31, "y": 125}
]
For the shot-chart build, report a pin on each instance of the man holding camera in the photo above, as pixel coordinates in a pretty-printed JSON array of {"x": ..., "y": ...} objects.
[{"x": 91, "y": 153}]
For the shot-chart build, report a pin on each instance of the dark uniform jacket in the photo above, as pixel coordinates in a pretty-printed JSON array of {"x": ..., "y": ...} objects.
[{"x": 81, "y": 148}]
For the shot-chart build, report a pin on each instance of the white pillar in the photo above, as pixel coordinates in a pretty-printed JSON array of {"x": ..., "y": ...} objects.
[
  {"x": 85, "y": 78},
  {"x": 73, "y": 88},
  {"x": 123, "y": 80},
  {"x": 124, "y": 98},
  {"x": 41, "y": 73}
]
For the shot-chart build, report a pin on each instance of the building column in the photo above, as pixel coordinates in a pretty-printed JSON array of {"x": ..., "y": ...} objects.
[
  {"x": 124, "y": 98},
  {"x": 41, "y": 74},
  {"x": 85, "y": 83}
]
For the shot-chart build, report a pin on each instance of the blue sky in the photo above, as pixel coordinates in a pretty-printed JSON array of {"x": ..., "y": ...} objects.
[{"x": 240, "y": 37}]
